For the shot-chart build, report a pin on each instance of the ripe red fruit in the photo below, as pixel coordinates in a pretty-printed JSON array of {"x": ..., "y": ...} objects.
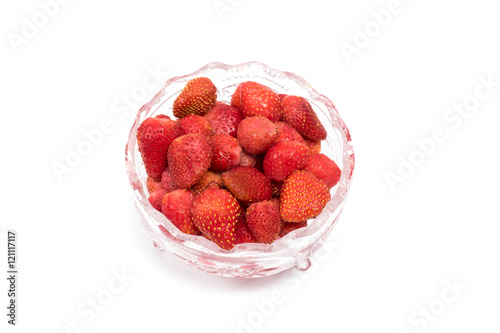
[
  {"x": 324, "y": 169},
  {"x": 287, "y": 133},
  {"x": 299, "y": 114},
  {"x": 154, "y": 137},
  {"x": 247, "y": 159},
  {"x": 303, "y": 196},
  {"x": 263, "y": 219},
  {"x": 256, "y": 134},
  {"x": 197, "y": 97},
  {"x": 314, "y": 146},
  {"x": 167, "y": 183},
  {"x": 209, "y": 180},
  {"x": 226, "y": 152},
  {"x": 164, "y": 116},
  {"x": 275, "y": 201},
  {"x": 284, "y": 158},
  {"x": 255, "y": 99},
  {"x": 176, "y": 206},
  {"x": 224, "y": 119},
  {"x": 236, "y": 98},
  {"x": 214, "y": 213},
  {"x": 189, "y": 158},
  {"x": 288, "y": 227},
  {"x": 156, "y": 197},
  {"x": 247, "y": 184},
  {"x": 152, "y": 184},
  {"x": 242, "y": 232},
  {"x": 194, "y": 123}
]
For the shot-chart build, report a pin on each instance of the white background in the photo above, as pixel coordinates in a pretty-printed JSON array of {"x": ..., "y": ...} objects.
[{"x": 396, "y": 250}]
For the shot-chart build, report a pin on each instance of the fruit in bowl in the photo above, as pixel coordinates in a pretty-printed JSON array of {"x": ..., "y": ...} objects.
[{"x": 239, "y": 170}]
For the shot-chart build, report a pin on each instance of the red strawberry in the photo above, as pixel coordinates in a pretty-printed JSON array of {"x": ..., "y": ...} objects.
[
  {"x": 236, "y": 98},
  {"x": 167, "y": 183},
  {"x": 288, "y": 227},
  {"x": 284, "y": 158},
  {"x": 224, "y": 119},
  {"x": 152, "y": 184},
  {"x": 324, "y": 169},
  {"x": 263, "y": 219},
  {"x": 242, "y": 232},
  {"x": 275, "y": 201},
  {"x": 314, "y": 146},
  {"x": 247, "y": 159},
  {"x": 189, "y": 158},
  {"x": 194, "y": 123},
  {"x": 197, "y": 97},
  {"x": 256, "y": 134},
  {"x": 226, "y": 152},
  {"x": 176, "y": 206},
  {"x": 247, "y": 184},
  {"x": 303, "y": 196},
  {"x": 209, "y": 180},
  {"x": 299, "y": 114},
  {"x": 156, "y": 197},
  {"x": 214, "y": 213},
  {"x": 255, "y": 99},
  {"x": 287, "y": 133},
  {"x": 154, "y": 137}
]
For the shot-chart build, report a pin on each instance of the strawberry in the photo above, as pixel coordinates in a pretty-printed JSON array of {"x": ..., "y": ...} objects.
[
  {"x": 176, "y": 206},
  {"x": 247, "y": 184},
  {"x": 197, "y": 97},
  {"x": 156, "y": 197},
  {"x": 154, "y": 137},
  {"x": 167, "y": 183},
  {"x": 224, "y": 118},
  {"x": 209, "y": 180},
  {"x": 214, "y": 213},
  {"x": 247, "y": 159},
  {"x": 324, "y": 169},
  {"x": 299, "y": 114},
  {"x": 226, "y": 152},
  {"x": 284, "y": 158},
  {"x": 303, "y": 196},
  {"x": 287, "y": 133},
  {"x": 255, "y": 99},
  {"x": 275, "y": 201},
  {"x": 189, "y": 158},
  {"x": 193, "y": 123},
  {"x": 152, "y": 184},
  {"x": 256, "y": 134},
  {"x": 242, "y": 232},
  {"x": 263, "y": 219},
  {"x": 236, "y": 98},
  {"x": 288, "y": 227},
  {"x": 314, "y": 146}
]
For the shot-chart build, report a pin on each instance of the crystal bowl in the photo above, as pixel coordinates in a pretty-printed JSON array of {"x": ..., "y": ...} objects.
[{"x": 252, "y": 259}]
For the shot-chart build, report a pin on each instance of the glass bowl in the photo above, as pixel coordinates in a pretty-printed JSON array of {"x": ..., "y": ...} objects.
[{"x": 253, "y": 259}]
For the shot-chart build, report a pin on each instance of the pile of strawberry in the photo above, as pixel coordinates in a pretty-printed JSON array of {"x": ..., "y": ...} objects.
[{"x": 250, "y": 171}]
